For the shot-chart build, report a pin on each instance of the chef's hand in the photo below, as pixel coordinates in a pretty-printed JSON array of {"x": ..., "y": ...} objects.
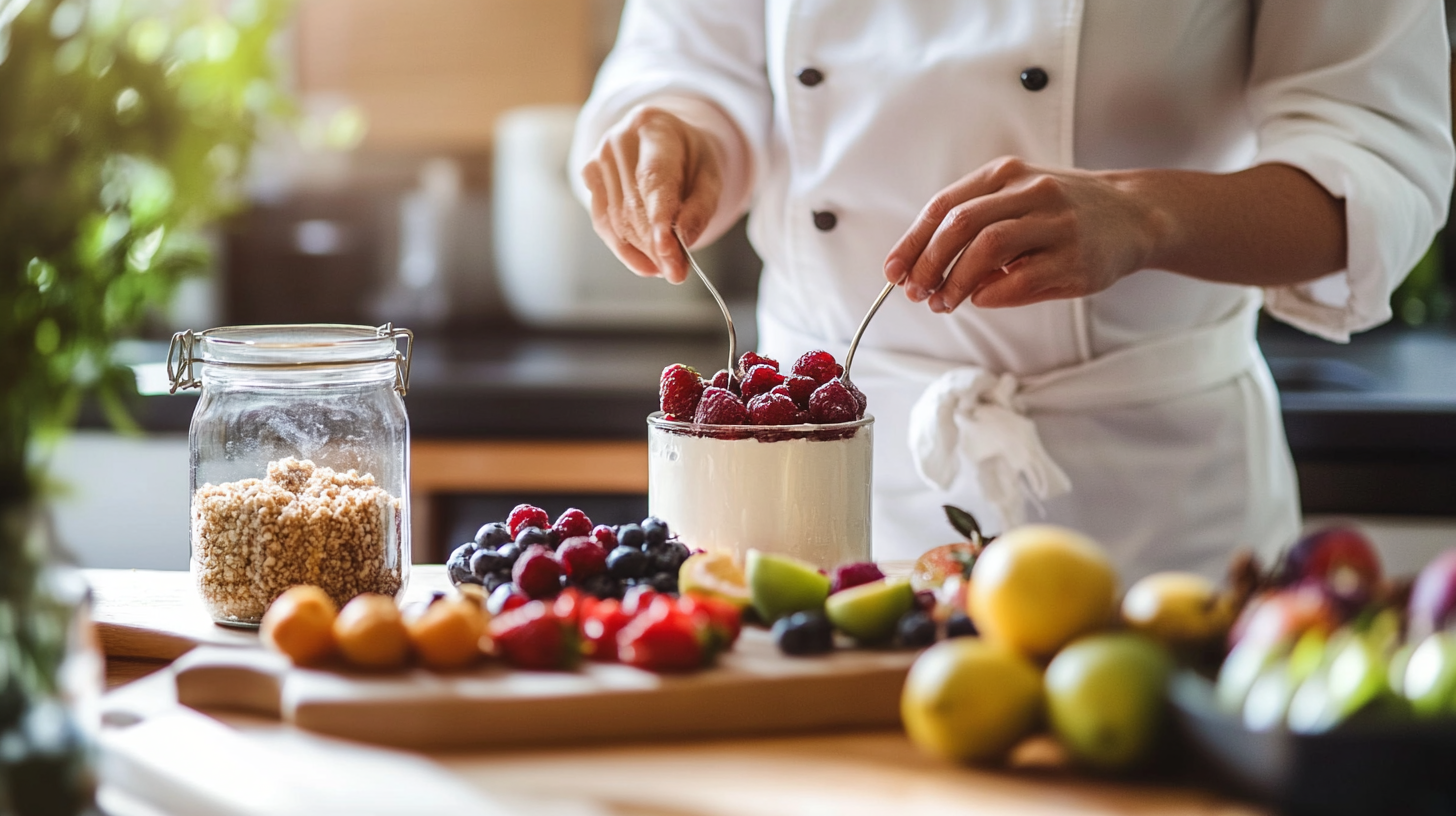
[
  {"x": 653, "y": 171},
  {"x": 1029, "y": 234}
]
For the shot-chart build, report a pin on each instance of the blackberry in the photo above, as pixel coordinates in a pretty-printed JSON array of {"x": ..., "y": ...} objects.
[
  {"x": 804, "y": 633},
  {"x": 915, "y": 630},
  {"x": 655, "y": 532},
  {"x": 960, "y": 625},
  {"x": 602, "y": 586},
  {"x": 493, "y": 535},
  {"x": 533, "y": 535},
  {"x": 630, "y": 535},
  {"x": 663, "y": 582},
  {"x": 626, "y": 562},
  {"x": 485, "y": 562}
]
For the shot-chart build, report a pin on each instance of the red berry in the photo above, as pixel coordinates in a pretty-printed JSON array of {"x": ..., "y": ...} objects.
[
  {"x": 818, "y": 366},
  {"x": 720, "y": 406},
  {"x": 750, "y": 359},
  {"x": 760, "y": 380},
  {"x": 859, "y": 398},
  {"x": 663, "y": 639},
  {"x": 505, "y": 598},
  {"x": 527, "y": 515},
  {"x": 534, "y": 637},
  {"x": 605, "y": 536},
  {"x": 724, "y": 619},
  {"x": 637, "y": 599},
  {"x": 599, "y": 627},
  {"x": 581, "y": 558},
  {"x": 537, "y": 572},
  {"x": 571, "y": 524},
  {"x": 800, "y": 389},
  {"x": 679, "y": 390},
  {"x": 567, "y": 606},
  {"x": 722, "y": 380},
  {"x": 831, "y": 403},
  {"x": 772, "y": 409},
  {"x": 852, "y": 575}
]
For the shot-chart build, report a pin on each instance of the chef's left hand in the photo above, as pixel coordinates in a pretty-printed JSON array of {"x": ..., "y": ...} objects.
[{"x": 1029, "y": 234}]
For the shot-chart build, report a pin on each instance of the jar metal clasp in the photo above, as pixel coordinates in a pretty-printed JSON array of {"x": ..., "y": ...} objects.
[
  {"x": 179, "y": 361},
  {"x": 401, "y": 361},
  {"x": 180, "y": 358}
]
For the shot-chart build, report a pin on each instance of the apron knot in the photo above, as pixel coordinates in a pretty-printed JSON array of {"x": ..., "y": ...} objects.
[{"x": 973, "y": 416}]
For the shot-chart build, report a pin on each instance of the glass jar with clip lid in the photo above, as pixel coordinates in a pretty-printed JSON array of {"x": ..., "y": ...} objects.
[{"x": 299, "y": 462}]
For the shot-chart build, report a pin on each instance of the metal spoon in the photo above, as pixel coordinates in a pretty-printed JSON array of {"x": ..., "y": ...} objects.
[
  {"x": 859, "y": 332},
  {"x": 727, "y": 318}
]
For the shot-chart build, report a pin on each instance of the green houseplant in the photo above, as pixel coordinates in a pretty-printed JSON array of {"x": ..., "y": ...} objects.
[{"x": 124, "y": 127}]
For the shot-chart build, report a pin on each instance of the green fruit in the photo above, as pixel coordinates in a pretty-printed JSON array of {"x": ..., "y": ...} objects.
[
  {"x": 1430, "y": 676},
  {"x": 870, "y": 611},
  {"x": 1312, "y": 710},
  {"x": 1356, "y": 677},
  {"x": 967, "y": 700},
  {"x": 1241, "y": 669},
  {"x": 1105, "y": 698},
  {"x": 1268, "y": 701},
  {"x": 779, "y": 585}
]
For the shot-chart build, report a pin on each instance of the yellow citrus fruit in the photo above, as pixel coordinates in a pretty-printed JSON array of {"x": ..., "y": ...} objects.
[
  {"x": 968, "y": 700},
  {"x": 1177, "y": 608},
  {"x": 1105, "y": 697},
  {"x": 715, "y": 575},
  {"x": 371, "y": 633},
  {"x": 1037, "y": 587},
  {"x": 300, "y": 624},
  {"x": 446, "y": 635}
]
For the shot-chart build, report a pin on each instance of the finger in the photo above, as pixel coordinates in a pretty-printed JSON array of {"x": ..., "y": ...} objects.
[
  {"x": 1032, "y": 279},
  {"x": 660, "y": 180},
  {"x": 602, "y": 224},
  {"x": 961, "y": 226},
  {"x": 633, "y": 211},
  {"x": 620, "y": 218},
  {"x": 996, "y": 247},
  {"x": 987, "y": 179}
]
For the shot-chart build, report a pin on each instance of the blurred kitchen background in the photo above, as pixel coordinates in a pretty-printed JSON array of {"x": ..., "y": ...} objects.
[{"x": 424, "y": 183}]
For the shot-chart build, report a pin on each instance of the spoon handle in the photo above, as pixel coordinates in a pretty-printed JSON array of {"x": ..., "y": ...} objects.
[
  {"x": 727, "y": 318},
  {"x": 859, "y": 332}
]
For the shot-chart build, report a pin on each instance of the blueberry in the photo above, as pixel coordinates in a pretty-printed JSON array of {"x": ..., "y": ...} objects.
[
  {"x": 494, "y": 581},
  {"x": 435, "y": 597},
  {"x": 655, "y": 531},
  {"x": 630, "y": 535},
  {"x": 509, "y": 553},
  {"x": 679, "y": 553},
  {"x": 459, "y": 564},
  {"x": 532, "y": 535},
  {"x": 663, "y": 582},
  {"x": 464, "y": 551},
  {"x": 662, "y": 560},
  {"x": 493, "y": 535},
  {"x": 804, "y": 633},
  {"x": 602, "y": 586},
  {"x": 960, "y": 625},
  {"x": 626, "y": 562},
  {"x": 484, "y": 562},
  {"x": 915, "y": 630}
]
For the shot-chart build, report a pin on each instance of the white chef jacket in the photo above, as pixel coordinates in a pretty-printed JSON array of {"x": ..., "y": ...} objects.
[{"x": 913, "y": 94}]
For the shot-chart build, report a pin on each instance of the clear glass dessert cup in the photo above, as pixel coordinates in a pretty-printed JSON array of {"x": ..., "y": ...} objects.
[{"x": 798, "y": 490}]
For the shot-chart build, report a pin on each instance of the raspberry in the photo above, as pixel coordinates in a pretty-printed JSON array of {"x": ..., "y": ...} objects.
[
  {"x": 527, "y": 515},
  {"x": 852, "y": 575},
  {"x": 772, "y": 409},
  {"x": 800, "y": 389},
  {"x": 581, "y": 558},
  {"x": 605, "y": 536},
  {"x": 749, "y": 359},
  {"x": 571, "y": 524},
  {"x": 722, "y": 380},
  {"x": 537, "y": 573},
  {"x": 818, "y": 366},
  {"x": 760, "y": 380},
  {"x": 832, "y": 403},
  {"x": 859, "y": 397},
  {"x": 680, "y": 390},
  {"x": 720, "y": 406}
]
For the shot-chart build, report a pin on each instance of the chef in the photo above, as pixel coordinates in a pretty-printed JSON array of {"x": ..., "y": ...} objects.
[{"x": 1085, "y": 204}]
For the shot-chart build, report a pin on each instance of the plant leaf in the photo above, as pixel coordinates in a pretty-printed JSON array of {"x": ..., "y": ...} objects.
[{"x": 964, "y": 523}]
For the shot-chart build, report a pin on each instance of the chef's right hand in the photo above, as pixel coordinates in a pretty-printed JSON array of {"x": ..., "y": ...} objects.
[{"x": 651, "y": 172}]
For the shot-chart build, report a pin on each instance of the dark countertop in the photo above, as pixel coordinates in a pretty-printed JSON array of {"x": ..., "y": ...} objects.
[{"x": 1384, "y": 404}]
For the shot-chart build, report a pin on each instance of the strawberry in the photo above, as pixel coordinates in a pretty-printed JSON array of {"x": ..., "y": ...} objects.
[
  {"x": 526, "y": 515},
  {"x": 599, "y": 625},
  {"x": 537, "y": 572},
  {"x": 818, "y": 366},
  {"x": 772, "y": 409},
  {"x": 723, "y": 619},
  {"x": 567, "y": 606},
  {"x": 720, "y": 406},
  {"x": 571, "y": 524},
  {"x": 831, "y": 403},
  {"x": 505, "y": 598},
  {"x": 534, "y": 637},
  {"x": 760, "y": 380},
  {"x": 581, "y": 558},
  {"x": 800, "y": 389},
  {"x": 663, "y": 638},
  {"x": 750, "y": 359},
  {"x": 679, "y": 390},
  {"x": 637, "y": 599}
]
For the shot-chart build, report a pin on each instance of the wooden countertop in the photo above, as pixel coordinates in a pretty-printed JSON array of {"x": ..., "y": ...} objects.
[{"x": 158, "y": 755}]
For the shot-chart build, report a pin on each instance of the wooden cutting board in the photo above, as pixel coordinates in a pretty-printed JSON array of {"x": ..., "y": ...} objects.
[{"x": 754, "y": 690}]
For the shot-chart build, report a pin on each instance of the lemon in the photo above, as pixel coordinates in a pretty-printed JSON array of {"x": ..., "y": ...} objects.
[
  {"x": 1177, "y": 608},
  {"x": 1037, "y": 587},
  {"x": 967, "y": 700},
  {"x": 1105, "y": 698},
  {"x": 715, "y": 575}
]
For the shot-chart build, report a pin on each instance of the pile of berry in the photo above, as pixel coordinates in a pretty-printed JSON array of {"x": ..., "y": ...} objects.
[
  {"x": 646, "y": 629},
  {"x": 527, "y": 557},
  {"x": 759, "y": 394}
]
